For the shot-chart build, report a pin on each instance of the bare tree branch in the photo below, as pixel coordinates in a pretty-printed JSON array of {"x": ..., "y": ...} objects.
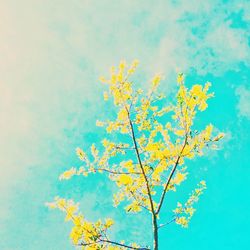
[
  {"x": 114, "y": 172},
  {"x": 113, "y": 243}
]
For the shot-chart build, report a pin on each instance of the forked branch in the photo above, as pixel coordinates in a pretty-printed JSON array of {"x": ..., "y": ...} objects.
[{"x": 171, "y": 176}]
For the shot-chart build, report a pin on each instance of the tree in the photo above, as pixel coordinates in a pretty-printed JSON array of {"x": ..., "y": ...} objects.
[{"x": 148, "y": 160}]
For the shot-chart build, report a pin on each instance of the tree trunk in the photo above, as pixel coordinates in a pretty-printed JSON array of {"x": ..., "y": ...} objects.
[{"x": 155, "y": 232}]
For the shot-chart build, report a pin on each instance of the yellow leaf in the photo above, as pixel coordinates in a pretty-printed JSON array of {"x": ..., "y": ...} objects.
[
  {"x": 180, "y": 78},
  {"x": 125, "y": 179},
  {"x": 67, "y": 174},
  {"x": 180, "y": 132},
  {"x": 105, "y": 96},
  {"x": 179, "y": 178},
  {"x": 80, "y": 153}
]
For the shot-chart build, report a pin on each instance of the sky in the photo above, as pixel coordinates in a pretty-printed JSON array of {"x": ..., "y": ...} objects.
[{"x": 52, "y": 54}]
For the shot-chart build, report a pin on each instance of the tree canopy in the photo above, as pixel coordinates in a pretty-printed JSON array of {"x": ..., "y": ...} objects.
[{"x": 156, "y": 136}]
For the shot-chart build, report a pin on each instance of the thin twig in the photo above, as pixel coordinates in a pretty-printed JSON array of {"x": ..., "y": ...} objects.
[{"x": 169, "y": 222}]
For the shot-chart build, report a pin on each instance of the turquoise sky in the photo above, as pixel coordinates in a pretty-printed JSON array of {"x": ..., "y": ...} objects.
[{"x": 51, "y": 56}]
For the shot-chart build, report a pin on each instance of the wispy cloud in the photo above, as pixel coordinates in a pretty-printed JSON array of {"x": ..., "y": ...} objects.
[{"x": 243, "y": 106}]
